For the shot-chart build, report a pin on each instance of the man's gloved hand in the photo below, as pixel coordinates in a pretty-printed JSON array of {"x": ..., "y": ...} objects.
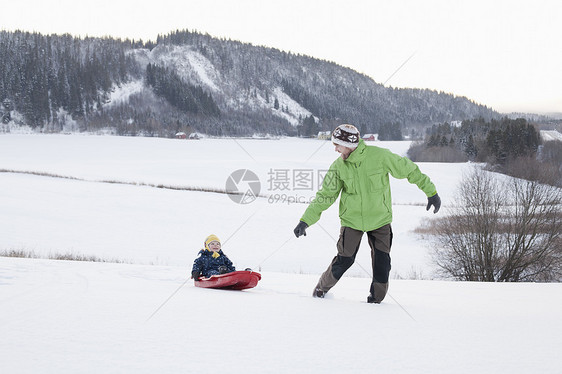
[
  {"x": 223, "y": 269},
  {"x": 434, "y": 200},
  {"x": 195, "y": 275},
  {"x": 300, "y": 229}
]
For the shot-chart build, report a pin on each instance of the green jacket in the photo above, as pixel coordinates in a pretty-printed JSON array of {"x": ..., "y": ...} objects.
[{"x": 362, "y": 179}]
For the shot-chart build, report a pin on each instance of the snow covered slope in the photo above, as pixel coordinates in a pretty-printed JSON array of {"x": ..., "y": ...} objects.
[
  {"x": 146, "y": 317},
  {"x": 145, "y": 224},
  {"x": 549, "y": 135},
  {"x": 64, "y": 317},
  {"x": 196, "y": 69}
]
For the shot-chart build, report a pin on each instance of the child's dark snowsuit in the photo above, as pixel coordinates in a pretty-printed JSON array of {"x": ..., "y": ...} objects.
[{"x": 207, "y": 265}]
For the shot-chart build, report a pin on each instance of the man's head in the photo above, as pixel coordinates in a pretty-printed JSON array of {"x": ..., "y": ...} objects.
[{"x": 346, "y": 139}]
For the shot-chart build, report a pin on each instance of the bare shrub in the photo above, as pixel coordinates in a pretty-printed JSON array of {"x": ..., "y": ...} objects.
[
  {"x": 502, "y": 231},
  {"x": 552, "y": 151},
  {"x": 22, "y": 253},
  {"x": 532, "y": 169},
  {"x": 551, "y": 154}
]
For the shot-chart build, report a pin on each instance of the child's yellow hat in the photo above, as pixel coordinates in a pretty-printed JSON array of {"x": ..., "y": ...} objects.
[{"x": 211, "y": 238}]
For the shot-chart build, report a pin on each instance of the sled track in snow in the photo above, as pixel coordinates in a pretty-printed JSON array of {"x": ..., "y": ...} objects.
[
  {"x": 139, "y": 184},
  {"x": 152, "y": 185}
]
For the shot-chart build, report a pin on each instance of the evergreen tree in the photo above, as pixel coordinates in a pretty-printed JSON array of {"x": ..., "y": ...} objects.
[
  {"x": 392, "y": 131},
  {"x": 309, "y": 126},
  {"x": 470, "y": 150},
  {"x": 168, "y": 84}
]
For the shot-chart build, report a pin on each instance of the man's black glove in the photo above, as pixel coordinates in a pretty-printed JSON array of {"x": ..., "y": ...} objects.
[
  {"x": 434, "y": 200},
  {"x": 195, "y": 275},
  {"x": 300, "y": 229},
  {"x": 223, "y": 269}
]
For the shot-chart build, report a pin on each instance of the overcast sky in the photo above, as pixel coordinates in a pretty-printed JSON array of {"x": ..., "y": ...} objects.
[{"x": 504, "y": 54}]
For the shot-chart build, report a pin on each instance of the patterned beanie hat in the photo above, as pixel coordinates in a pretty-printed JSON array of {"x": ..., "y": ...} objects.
[{"x": 346, "y": 135}]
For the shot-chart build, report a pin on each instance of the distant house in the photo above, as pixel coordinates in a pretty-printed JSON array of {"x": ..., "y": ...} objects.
[
  {"x": 181, "y": 135},
  {"x": 370, "y": 137},
  {"x": 194, "y": 136},
  {"x": 325, "y": 135}
]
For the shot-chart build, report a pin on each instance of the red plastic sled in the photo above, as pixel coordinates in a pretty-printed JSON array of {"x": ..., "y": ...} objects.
[{"x": 237, "y": 280}]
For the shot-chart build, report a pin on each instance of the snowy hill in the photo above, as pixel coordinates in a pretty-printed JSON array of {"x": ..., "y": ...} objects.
[
  {"x": 145, "y": 201},
  {"x": 210, "y": 85},
  {"x": 71, "y": 317},
  {"x": 549, "y": 135},
  {"x": 197, "y": 69}
]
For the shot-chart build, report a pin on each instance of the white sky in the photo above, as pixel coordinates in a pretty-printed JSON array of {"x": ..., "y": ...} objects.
[{"x": 504, "y": 54}]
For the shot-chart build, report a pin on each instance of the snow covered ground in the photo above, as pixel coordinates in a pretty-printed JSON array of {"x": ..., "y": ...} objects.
[
  {"x": 550, "y": 135},
  {"x": 142, "y": 224},
  {"x": 75, "y": 317},
  {"x": 142, "y": 316}
]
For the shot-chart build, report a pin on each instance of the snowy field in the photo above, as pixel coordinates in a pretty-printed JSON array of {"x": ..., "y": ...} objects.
[
  {"x": 141, "y": 224},
  {"x": 148, "y": 225},
  {"x": 143, "y": 317}
]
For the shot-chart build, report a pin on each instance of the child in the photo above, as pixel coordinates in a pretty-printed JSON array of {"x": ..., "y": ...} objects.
[{"x": 211, "y": 260}]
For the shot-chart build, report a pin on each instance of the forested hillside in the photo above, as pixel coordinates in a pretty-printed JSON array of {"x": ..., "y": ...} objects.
[
  {"x": 510, "y": 146},
  {"x": 188, "y": 81}
]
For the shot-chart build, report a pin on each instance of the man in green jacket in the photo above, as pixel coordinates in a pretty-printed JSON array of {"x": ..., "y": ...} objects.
[{"x": 361, "y": 175}]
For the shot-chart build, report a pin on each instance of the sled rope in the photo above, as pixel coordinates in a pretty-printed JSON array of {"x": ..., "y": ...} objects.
[
  {"x": 166, "y": 301},
  {"x": 272, "y": 253},
  {"x": 239, "y": 227}
]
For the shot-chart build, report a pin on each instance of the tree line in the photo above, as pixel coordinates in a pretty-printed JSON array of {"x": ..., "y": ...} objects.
[
  {"x": 496, "y": 141},
  {"x": 50, "y": 78},
  {"x": 39, "y": 74},
  {"x": 186, "y": 97},
  {"x": 509, "y": 146}
]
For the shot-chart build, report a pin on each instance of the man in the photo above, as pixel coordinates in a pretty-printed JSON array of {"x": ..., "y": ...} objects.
[{"x": 361, "y": 175}]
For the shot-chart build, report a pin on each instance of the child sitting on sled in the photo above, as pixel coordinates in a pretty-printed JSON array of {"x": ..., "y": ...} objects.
[{"x": 211, "y": 260}]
